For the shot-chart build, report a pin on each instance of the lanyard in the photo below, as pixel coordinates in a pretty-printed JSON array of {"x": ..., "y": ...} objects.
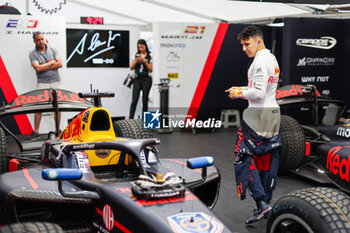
[{"x": 44, "y": 55}]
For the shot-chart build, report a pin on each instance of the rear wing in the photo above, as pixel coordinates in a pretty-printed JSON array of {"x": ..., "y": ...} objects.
[
  {"x": 296, "y": 94},
  {"x": 45, "y": 100}
]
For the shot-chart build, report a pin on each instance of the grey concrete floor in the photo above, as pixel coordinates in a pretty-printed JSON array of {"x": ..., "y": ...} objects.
[{"x": 229, "y": 208}]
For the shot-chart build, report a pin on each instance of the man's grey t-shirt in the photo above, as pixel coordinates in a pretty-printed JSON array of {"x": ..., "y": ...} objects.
[{"x": 48, "y": 76}]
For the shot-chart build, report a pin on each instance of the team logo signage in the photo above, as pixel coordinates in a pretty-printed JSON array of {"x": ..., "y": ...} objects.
[
  {"x": 195, "y": 29},
  {"x": 325, "y": 42},
  {"x": 316, "y": 61},
  {"x": 173, "y": 75},
  {"x": 308, "y": 79},
  {"x": 25, "y": 27},
  {"x": 173, "y": 56},
  {"x": 190, "y": 32},
  {"x": 21, "y": 23}
]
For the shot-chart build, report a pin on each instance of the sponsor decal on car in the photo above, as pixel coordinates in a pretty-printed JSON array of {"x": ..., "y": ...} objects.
[
  {"x": 343, "y": 132},
  {"x": 109, "y": 220},
  {"x": 52, "y": 174},
  {"x": 166, "y": 200},
  {"x": 189, "y": 222},
  {"x": 108, "y": 217},
  {"x": 84, "y": 146},
  {"x": 73, "y": 130},
  {"x": 42, "y": 96},
  {"x": 291, "y": 90},
  {"x": 337, "y": 163},
  {"x": 83, "y": 161},
  {"x": 188, "y": 197}
]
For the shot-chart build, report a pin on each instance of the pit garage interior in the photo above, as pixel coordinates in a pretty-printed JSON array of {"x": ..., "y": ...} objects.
[{"x": 196, "y": 57}]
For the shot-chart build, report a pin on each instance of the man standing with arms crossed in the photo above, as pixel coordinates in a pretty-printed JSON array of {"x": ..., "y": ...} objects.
[
  {"x": 45, "y": 61},
  {"x": 257, "y": 139}
]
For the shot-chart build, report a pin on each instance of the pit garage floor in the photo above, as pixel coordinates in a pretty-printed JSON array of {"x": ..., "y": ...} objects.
[{"x": 229, "y": 208}]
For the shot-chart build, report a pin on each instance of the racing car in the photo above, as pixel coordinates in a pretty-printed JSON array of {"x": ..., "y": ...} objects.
[
  {"x": 319, "y": 151},
  {"x": 104, "y": 176}
]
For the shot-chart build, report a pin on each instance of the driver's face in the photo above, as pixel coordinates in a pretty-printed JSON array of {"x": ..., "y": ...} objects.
[{"x": 250, "y": 46}]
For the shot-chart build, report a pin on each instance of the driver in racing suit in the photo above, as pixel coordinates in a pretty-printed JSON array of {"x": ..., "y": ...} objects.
[{"x": 257, "y": 141}]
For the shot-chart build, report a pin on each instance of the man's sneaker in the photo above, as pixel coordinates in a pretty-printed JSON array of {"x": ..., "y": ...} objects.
[
  {"x": 263, "y": 210},
  {"x": 256, "y": 210},
  {"x": 34, "y": 135}
]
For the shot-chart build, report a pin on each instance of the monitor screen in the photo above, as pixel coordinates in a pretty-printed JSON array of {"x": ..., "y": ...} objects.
[{"x": 97, "y": 48}]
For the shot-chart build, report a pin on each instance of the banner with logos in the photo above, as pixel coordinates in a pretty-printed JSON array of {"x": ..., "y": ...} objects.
[
  {"x": 17, "y": 74},
  {"x": 314, "y": 54},
  {"x": 181, "y": 52}
]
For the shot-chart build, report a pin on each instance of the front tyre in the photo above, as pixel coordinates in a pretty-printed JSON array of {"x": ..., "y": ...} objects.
[
  {"x": 32, "y": 227},
  {"x": 321, "y": 210}
]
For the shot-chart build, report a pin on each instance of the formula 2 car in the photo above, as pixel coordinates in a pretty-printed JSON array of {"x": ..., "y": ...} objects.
[
  {"x": 95, "y": 178},
  {"x": 321, "y": 152}
]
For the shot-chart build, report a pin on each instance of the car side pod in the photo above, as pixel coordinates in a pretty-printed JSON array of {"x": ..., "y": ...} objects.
[
  {"x": 200, "y": 162},
  {"x": 61, "y": 174}
]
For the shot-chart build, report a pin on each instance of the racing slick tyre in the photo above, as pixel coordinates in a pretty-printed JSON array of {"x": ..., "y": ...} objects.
[
  {"x": 32, "y": 227},
  {"x": 293, "y": 144},
  {"x": 3, "y": 155},
  {"x": 131, "y": 129},
  {"x": 321, "y": 210}
]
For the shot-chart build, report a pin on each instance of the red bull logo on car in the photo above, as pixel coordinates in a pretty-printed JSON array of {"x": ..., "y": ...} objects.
[{"x": 338, "y": 164}]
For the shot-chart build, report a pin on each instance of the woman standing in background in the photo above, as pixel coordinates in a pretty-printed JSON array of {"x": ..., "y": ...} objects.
[{"x": 142, "y": 64}]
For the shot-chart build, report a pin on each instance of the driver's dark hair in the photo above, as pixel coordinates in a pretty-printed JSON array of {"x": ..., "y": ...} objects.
[{"x": 250, "y": 31}]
